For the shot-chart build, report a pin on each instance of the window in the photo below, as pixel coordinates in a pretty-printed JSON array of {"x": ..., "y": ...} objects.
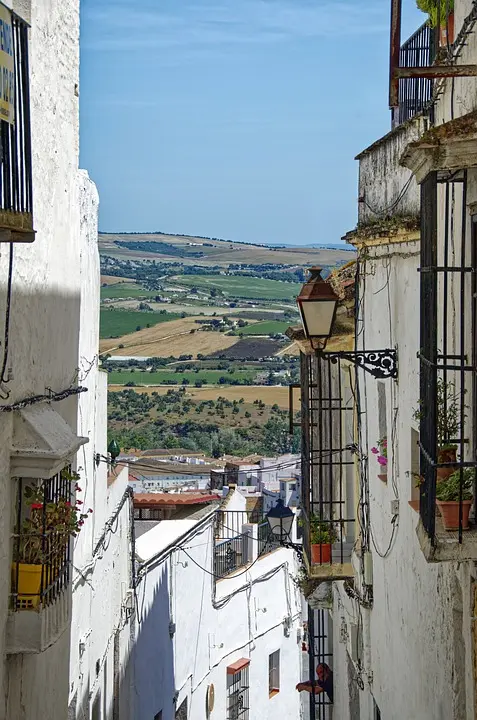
[
  {"x": 41, "y": 551},
  {"x": 274, "y": 673},
  {"x": 237, "y": 690},
  {"x": 181, "y": 713},
  {"x": 158, "y": 716}
]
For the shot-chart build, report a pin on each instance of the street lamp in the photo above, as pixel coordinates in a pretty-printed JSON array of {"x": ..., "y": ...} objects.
[
  {"x": 280, "y": 519},
  {"x": 317, "y": 303}
]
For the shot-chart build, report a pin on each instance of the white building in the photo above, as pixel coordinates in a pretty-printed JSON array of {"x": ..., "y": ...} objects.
[
  {"x": 231, "y": 646},
  {"x": 49, "y": 284},
  {"x": 404, "y": 638}
]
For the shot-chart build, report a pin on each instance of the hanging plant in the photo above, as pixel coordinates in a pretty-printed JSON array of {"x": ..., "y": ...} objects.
[{"x": 434, "y": 8}]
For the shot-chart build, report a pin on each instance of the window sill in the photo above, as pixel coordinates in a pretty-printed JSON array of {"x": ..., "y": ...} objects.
[{"x": 272, "y": 693}]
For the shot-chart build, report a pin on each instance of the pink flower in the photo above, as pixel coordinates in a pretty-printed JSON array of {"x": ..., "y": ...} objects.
[
  {"x": 382, "y": 460},
  {"x": 79, "y": 502},
  {"x": 375, "y": 450},
  {"x": 67, "y": 503},
  {"x": 90, "y": 510}
]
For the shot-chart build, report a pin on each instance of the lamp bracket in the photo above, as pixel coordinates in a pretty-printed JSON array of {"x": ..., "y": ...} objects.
[{"x": 381, "y": 364}]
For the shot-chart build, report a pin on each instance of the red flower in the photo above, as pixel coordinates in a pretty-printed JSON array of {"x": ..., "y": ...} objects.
[
  {"x": 79, "y": 502},
  {"x": 90, "y": 510},
  {"x": 67, "y": 503},
  {"x": 37, "y": 506}
]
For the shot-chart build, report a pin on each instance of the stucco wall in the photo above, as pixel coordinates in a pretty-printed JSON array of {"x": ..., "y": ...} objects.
[
  {"x": 245, "y": 620},
  {"x": 382, "y": 179},
  {"x": 416, "y": 636}
]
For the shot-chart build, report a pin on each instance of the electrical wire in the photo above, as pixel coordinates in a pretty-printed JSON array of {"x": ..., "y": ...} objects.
[
  {"x": 46, "y": 398},
  {"x": 386, "y": 210},
  {"x": 6, "y": 333}
]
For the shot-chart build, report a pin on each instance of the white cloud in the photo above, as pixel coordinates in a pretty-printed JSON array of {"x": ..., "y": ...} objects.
[{"x": 114, "y": 25}]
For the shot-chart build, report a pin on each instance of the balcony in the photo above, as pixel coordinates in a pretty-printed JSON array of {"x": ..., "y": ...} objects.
[
  {"x": 447, "y": 409},
  {"x": 415, "y": 93},
  {"x": 328, "y": 506},
  {"x": 16, "y": 197},
  {"x": 241, "y": 536}
]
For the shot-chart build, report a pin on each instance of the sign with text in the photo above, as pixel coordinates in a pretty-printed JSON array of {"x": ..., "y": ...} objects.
[{"x": 7, "y": 66}]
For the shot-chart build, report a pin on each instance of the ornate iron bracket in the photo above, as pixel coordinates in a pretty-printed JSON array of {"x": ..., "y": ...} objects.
[{"x": 381, "y": 364}]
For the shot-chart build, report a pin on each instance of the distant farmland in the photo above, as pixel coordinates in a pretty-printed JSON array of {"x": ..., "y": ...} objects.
[
  {"x": 115, "y": 323},
  {"x": 271, "y": 327},
  {"x": 243, "y": 287},
  {"x": 211, "y": 377},
  {"x": 125, "y": 290}
]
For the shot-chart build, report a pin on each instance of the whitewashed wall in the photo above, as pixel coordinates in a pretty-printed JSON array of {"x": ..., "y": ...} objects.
[
  {"x": 417, "y": 635},
  {"x": 243, "y": 617}
]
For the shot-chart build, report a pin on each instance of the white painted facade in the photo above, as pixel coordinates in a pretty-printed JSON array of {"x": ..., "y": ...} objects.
[
  {"x": 186, "y": 640},
  {"x": 53, "y": 347},
  {"x": 414, "y": 655}
]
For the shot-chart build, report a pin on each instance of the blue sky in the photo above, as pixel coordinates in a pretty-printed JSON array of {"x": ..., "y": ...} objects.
[{"x": 233, "y": 118}]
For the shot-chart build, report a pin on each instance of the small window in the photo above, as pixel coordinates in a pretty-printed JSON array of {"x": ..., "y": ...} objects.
[
  {"x": 274, "y": 673},
  {"x": 158, "y": 716},
  {"x": 238, "y": 690}
]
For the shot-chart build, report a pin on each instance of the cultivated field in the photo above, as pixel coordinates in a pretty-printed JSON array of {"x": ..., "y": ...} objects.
[
  {"x": 113, "y": 280},
  {"x": 222, "y": 252},
  {"x": 251, "y": 348},
  {"x": 271, "y": 327},
  {"x": 211, "y": 377},
  {"x": 170, "y": 338},
  {"x": 126, "y": 290},
  {"x": 243, "y": 287},
  {"x": 266, "y": 393},
  {"x": 116, "y": 323}
]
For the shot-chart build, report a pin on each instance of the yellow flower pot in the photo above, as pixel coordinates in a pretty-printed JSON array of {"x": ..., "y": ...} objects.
[{"x": 28, "y": 586}]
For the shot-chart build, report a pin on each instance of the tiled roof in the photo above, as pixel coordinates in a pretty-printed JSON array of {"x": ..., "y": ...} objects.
[{"x": 172, "y": 499}]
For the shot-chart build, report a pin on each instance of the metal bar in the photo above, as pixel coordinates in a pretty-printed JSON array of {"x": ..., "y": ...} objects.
[
  {"x": 436, "y": 71},
  {"x": 395, "y": 48},
  {"x": 462, "y": 344}
]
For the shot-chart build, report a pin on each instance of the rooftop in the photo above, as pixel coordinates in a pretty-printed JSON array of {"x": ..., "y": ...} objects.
[{"x": 173, "y": 499}]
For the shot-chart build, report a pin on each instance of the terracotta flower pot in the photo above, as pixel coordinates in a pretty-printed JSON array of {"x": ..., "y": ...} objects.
[
  {"x": 446, "y": 455},
  {"x": 450, "y": 514},
  {"x": 383, "y": 477},
  {"x": 321, "y": 554}
]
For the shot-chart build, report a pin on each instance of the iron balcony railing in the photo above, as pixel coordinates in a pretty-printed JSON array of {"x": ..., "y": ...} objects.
[
  {"x": 415, "y": 94},
  {"x": 233, "y": 548},
  {"x": 16, "y": 195},
  {"x": 41, "y": 541},
  {"x": 447, "y": 409},
  {"x": 327, "y": 505}
]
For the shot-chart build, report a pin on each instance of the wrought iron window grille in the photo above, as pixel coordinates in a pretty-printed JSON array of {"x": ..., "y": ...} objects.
[{"x": 238, "y": 686}]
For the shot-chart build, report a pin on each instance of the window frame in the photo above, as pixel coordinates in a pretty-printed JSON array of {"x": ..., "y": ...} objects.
[{"x": 274, "y": 673}]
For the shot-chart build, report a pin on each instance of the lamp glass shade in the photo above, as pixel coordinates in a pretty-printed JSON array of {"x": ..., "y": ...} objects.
[
  {"x": 280, "y": 519},
  {"x": 317, "y": 317},
  {"x": 317, "y": 303}
]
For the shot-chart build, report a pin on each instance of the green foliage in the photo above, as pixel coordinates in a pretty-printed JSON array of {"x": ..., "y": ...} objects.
[
  {"x": 431, "y": 8},
  {"x": 321, "y": 532},
  {"x": 449, "y": 490},
  {"x": 243, "y": 287},
  {"x": 448, "y": 413}
]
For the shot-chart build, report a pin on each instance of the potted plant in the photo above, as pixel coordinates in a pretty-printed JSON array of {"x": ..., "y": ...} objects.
[
  {"x": 447, "y": 498},
  {"x": 382, "y": 457},
  {"x": 42, "y": 540},
  {"x": 448, "y": 426},
  {"x": 436, "y": 9},
  {"x": 322, "y": 535}
]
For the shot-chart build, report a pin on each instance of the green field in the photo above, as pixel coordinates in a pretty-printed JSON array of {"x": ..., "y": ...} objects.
[
  {"x": 210, "y": 377},
  {"x": 125, "y": 290},
  {"x": 271, "y": 327},
  {"x": 243, "y": 287},
  {"x": 115, "y": 323}
]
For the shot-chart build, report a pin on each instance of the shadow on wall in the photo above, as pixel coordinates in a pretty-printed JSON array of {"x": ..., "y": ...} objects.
[
  {"x": 43, "y": 354},
  {"x": 149, "y": 673}
]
